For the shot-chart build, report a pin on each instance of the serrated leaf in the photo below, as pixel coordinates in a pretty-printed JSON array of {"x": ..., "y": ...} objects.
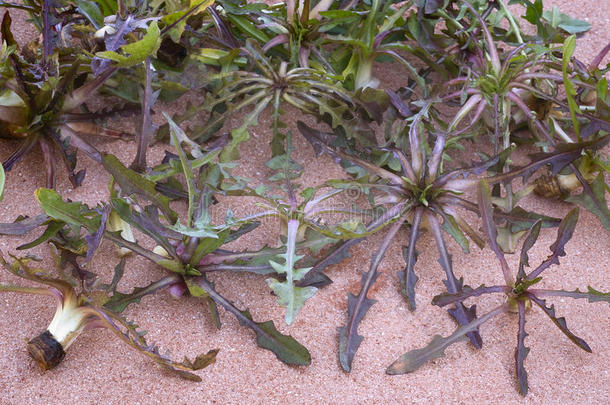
[
  {"x": 2, "y": 178},
  {"x": 23, "y": 225},
  {"x": 408, "y": 277},
  {"x": 592, "y": 295},
  {"x": 462, "y": 314},
  {"x": 133, "y": 183},
  {"x": 285, "y": 347},
  {"x": 119, "y": 301},
  {"x": 73, "y": 213},
  {"x": 349, "y": 339},
  {"x": 560, "y": 322},
  {"x": 594, "y": 202},
  {"x": 291, "y": 297},
  {"x": 521, "y": 351},
  {"x": 564, "y": 234},
  {"x": 358, "y": 306},
  {"x": 138, "y": 51},
  {"x": 414, "y": 359}
]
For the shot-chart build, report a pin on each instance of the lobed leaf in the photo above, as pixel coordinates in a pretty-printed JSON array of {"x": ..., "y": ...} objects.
[
  {"x": 133, "y": 183},
  {"x": 357, "y": 306},
  {"x": 414, "y": 359},
  {"x": 286, "y": 348},
  {"x": 73, "y": 213},
  {"x": 521, "y": 351},
  {"x": 22, "y": 226},
  {"x": 594, "y": 202},
  {"x": 138, "y": 51},
  {"x": 559, "y": 322}
]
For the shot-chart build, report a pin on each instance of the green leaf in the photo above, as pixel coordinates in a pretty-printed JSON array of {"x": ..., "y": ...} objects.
[
  {"x": 451, "y": 227},
  {"x": 199, "y": 230},
  {"x": 133, "y": 183},
  {"x": 565, "y": 22},
  {"x": 73, "y": 213},
  {"x": 52, "y": 229},
  {"x": 293, "y": 298},
  {"x": 186, "y": 167},
  {"x": 176, "y": 32},
  {"x": 285, "y": 347},
  {"x": 91, "y": 12},
  {"x": 592, "y": 295},
  {"x": 240, "y": 134},
  {"x": 568, "y": 50},
  {"x": 119, "y": 301},
  {"x": 137, "y": 51}
]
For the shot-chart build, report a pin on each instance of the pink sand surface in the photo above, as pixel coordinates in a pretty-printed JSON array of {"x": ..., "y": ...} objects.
[{"x": 99, "y": 369}]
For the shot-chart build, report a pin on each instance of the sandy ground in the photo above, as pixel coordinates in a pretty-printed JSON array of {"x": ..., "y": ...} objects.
[{"x": 99, "y": 369}]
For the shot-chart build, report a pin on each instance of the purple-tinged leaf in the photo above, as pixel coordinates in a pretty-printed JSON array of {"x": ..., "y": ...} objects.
[
  {"x": 563, "y": 155},
  {"x": 437, "y": 156},
  {"x": 145, "y": 132},
  {"x": 49, "y": 161},
  {"x": 22, "y": 226},
  {"x": 52, "y": 229},
  {"x": 342, "y": 249},
  {"x": 146, "y": 221},
  {"x": 529, "y": 242},
  {"x": 94, "y": 239},
  {"x": 119, "y": 301},
  {"x": 521, "y": 351},
  {"x": 286, "y": 348},
  {"x": 7, "y": 36},
  {"x": 462, "y": 314},
  {"x": 408, "y": 277},
  {"x": 277, "y": 40},
  {"x": 135, "y": 339},
  {"x": 491, "y": 45},
  {"x": 315, "y": 277},
  {"x": 559, "y": 322},
  {"x": 357, "y": 306},
  {"x": 349, "y": 340},
  {"x": 414, "y": 359},
  {"x": 592, "y": 295},
  {"x": 450, "y": 298},
  {"x": 564, "y": 234},
  {"x": 489, "y": 226},
  {"x": 599, "y": 57},
  {"x": 223, "y": 30},
  {"x": 320, "y": 141},
  {"x": 402, "y": 108},
  {"x": 23, "y": 148}
]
